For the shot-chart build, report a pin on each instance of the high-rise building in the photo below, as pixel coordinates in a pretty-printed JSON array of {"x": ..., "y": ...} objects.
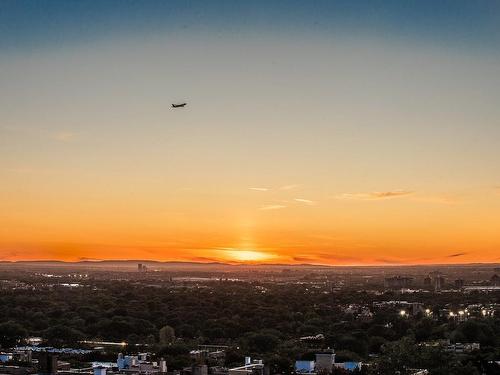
[
  {"x": 427, "y": 282},
  {"x": 397, "y": 282},
  {"x": 459, "y": 283},
  {"x": 438, "y": 283},
  {"x": 437, "y": 280},
  {"x": 495, "y": 280}
]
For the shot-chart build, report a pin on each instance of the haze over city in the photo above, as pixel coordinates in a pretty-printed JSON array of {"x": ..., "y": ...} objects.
[{"x": 335, "y": 133}]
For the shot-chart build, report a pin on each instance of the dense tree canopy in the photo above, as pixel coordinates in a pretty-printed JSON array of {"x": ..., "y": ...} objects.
[{"x": 261, "y": 320}]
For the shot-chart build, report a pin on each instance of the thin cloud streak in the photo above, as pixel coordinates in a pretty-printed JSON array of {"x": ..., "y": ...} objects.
[
  {"x": 306, "y": 201},
  {"x": 258, "y": 188},
  {"x": 376, "y": 195}
]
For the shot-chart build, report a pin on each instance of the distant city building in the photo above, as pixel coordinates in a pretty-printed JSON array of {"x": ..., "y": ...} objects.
[
  {"x": 251, "y": 367},
  {"x": 304, "y": 367},
  {"x": 318, "y": 337},
  {"x": 481, "y": 288},
  {"x": 427, "y": 282},
  {"x": 495, "y": 280},
  {"x": 100, "y": 370},
  {"x": 349, "y": 366},
  {"x": 439, "y": 283},
  {"x": 459, "y": 283},
  {"x": 398, "y": 282},
  {"x": 142, "y": 267},
  {"x": 324, "y": 364},
  {"x": 437, "y": 280},
  {"x": 6, "y": 357},
  {"x": 405, "y": 308}
]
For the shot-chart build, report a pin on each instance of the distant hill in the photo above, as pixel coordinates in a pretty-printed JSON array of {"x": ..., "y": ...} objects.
[
  {"x": 152, "y": 264},
  {"x": 129, "y": 264}
]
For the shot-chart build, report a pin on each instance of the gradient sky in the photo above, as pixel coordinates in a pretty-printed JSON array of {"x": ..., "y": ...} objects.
[{"x": 332, "y": 132}]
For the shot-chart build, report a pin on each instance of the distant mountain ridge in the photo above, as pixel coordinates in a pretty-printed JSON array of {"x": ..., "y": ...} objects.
[
  {"x": 198, "y": 264},
  {"x": 134, "y": 262}
]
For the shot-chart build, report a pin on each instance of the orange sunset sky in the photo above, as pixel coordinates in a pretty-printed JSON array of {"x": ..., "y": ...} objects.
[{"x": 310, "y": 135}]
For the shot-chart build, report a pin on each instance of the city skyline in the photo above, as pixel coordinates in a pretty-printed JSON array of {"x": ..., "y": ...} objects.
[{"x": 335, "y": 133}]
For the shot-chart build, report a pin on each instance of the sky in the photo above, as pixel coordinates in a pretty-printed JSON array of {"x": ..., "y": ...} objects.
[{"x": 323, "y": 132}]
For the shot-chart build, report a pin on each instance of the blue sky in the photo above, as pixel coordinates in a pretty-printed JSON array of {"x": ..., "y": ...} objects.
[{"x": 40, "y": 24}]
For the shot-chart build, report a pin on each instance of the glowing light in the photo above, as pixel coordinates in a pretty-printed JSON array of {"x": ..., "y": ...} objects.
[
  {"x": 452, "y": 314},
  {"x": 247, "y": 255},
  {"x": 427, "y": 311},
  {"x": 460, "y": 312},
  {"x": 402, "y": 313}
]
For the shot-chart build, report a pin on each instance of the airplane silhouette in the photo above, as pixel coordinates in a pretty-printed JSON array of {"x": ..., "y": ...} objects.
[{"x": 181, "y": 105}]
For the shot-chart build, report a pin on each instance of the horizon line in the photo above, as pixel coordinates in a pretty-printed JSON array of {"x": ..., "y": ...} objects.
[{"x": 237, "y": 264}]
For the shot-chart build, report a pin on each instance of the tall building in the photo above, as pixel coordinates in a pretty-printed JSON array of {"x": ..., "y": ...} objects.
[
  {"x": 437, "y": 280},
  {"x": 459, "y": 283},
  {"x": 495, "y": 280},
  {"x": 438, "y": 283},
  {"x": 397, "y": 282},
  {"x": 427, "y": 282}
]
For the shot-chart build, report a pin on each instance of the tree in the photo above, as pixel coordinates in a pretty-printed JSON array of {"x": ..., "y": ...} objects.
[
  {"x": 167, "y": 335},
  {"x": 397, "y": 357},
  {"x": 59, "y": 335},
  {"x": 11, "y": 333},
  {"x": 261, "y": 342}
]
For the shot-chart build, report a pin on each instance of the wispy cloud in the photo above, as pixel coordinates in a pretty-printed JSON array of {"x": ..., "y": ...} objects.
[
  {"x": 375, "y": 195},
  {"x": 325, "y": 258},
  {"x": 390, "y": 194},
  {"x": 388, "y": 261},
  {"x": 306, "y": 201},
  {"x": 456, "y": 255},
  {"x": 86, "y": 259},
  {"x": 258, "y": 188},
  {"x": 204, "y": 259},
  {"x": 284, "y": 187},
  {"x": 272, "y": 207}
]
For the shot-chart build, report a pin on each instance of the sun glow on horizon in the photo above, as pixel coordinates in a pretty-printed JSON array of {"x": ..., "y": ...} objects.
[{"x": 247, "y": 255}]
